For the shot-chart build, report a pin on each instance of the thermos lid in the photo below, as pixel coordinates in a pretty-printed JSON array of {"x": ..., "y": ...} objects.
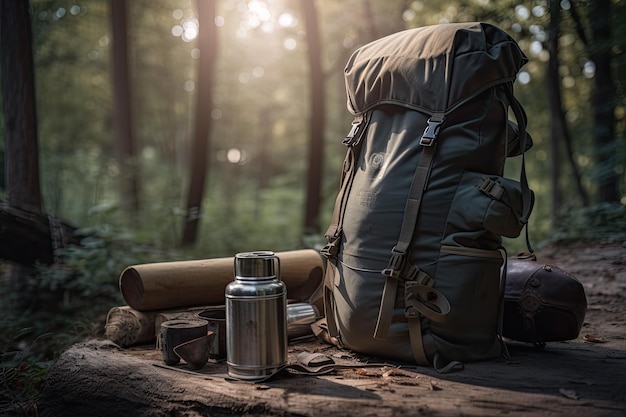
[{"x": 256, "y": 264}]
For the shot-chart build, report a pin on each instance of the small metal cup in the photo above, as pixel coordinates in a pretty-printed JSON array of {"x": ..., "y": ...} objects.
[
  {"x": 217, "y": 324},
  {"x": 176, "y": 332}
]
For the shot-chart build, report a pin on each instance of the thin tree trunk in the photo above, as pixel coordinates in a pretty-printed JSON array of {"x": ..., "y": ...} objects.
[
  {"x": 21, "y": 146},
  {"x": 317, "y": 118},
  {"x": 554, "y": 95},
  {"x": 559, "y": 131},
  {"x": 122, "y": 110},
  {"x": 207, "y": 43},
  {"x": 603, "y": 101}
]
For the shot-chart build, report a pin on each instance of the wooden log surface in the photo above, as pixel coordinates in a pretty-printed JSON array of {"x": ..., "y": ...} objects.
[
  {"x": 167, "y": 285},
  {"x": 573, "y": 379}
]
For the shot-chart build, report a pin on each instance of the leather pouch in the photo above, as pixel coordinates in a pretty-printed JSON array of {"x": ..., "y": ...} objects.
[{"x": 542, "y": 303}]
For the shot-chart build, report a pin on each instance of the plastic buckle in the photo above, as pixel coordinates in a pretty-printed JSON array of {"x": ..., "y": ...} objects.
[
  {"x": 430, "y": 133},
  {"x": 395, "y": 264},
  {"x": 411, "y": 312},
  {"x": 330, "y": 251},
  {"x": 349, "y": 139},
  {"x": 410, "y": 272},
  {"x": 411, "y": 298},
  {"x": 416, "y": 276},
  {"x": 491, "y": 188}
]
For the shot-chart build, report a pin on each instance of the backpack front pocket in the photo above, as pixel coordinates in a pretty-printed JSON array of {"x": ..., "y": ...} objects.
[{"x": 484, "y": 208}]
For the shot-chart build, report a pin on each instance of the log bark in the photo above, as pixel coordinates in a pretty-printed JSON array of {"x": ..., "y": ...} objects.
[
  {"x": 167, "y": 285},
  {"x": 97, "y": 378},
  {"x": 27, "y": 237}
]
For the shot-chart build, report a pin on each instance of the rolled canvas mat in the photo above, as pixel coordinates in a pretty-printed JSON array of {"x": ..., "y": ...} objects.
[{"x": 167, "y": 285}]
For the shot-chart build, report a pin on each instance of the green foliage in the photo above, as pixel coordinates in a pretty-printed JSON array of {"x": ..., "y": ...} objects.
[
  {"x": 60, "y": 305},
  {"x": 68, "y": 300},
  {"x": 22, "y": 377},
  {"x": 599, "y": 221}
]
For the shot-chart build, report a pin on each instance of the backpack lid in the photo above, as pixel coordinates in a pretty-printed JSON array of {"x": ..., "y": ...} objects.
[{"x": 432, "y": 68}]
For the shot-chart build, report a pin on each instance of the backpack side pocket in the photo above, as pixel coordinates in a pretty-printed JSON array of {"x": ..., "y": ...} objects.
[{"x": 485, "y": 207}]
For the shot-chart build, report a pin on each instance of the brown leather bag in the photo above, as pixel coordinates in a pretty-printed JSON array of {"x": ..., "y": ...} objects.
[{"x": 542, "y": 303}]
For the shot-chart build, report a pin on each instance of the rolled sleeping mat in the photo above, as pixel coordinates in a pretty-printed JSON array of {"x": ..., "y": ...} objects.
[{"x": 167, "y": 285}]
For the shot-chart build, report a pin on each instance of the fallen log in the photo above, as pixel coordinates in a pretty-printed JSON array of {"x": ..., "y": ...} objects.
[
  {"x": 97, "y": 378},
  {"x": 28, "y": 237}
]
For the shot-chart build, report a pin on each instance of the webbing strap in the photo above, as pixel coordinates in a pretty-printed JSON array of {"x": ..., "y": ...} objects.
[
  {"x": 418, "y": 185},
  {"x": 398, "y": 267},
  {"x": 422, "y": 301},
  {"x": 417, "y": 346},
  {"x": 503, "y": 271},
  {"x": 354, "y": 143},
  {"x": 329, "y": 301},
  {"x": 448, "y": 367},
  {"x": 476, "y": 252},
  {"x": 528, "y": 197},
  {"x": 388, "y": 300},
  {"x": 385, "y": 312}
]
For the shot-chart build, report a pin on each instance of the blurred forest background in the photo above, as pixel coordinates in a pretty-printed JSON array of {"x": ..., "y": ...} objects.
[{"x": 158, "y": 130}]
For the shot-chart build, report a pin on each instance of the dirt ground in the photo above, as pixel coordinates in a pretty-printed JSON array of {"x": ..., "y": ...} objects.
[
  {"x": 583, "y": 377},
  {"x": 601, "y": 267}
]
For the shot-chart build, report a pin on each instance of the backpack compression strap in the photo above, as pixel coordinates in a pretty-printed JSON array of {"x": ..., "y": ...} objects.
[
  {"x": 420, "y": 299},
  {"x": 354, "y": 142},
  {"x": 398, "y": 267}
]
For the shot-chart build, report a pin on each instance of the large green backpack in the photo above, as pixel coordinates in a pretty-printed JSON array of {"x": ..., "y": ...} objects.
[{"x": 416, "y": 264}]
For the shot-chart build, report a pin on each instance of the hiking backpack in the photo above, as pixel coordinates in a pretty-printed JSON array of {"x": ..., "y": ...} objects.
[{"x": 416, "y": 264}]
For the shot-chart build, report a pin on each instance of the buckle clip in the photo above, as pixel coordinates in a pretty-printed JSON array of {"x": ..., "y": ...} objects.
[
  {"x": 491, "y": 188},
  {"x": 396, "y": 263},
  {"x": 430, "y": 133},
  {"x": 349, "y": 140},
  {"x": 329, "y": 251}
]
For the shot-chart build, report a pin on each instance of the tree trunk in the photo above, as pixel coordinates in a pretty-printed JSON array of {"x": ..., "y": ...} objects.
[
  {"x": 554, "y": 95},
  {"x": 316, "y": 120},
  {"x": 21, "y": 147},
  {"x": 207, "y": 43},
  {"x": 18, "y": 94},
  {"x": 603, "y": 102},
  {"x": 123, "y": 111},
  {"x": 559, "y": 131}
]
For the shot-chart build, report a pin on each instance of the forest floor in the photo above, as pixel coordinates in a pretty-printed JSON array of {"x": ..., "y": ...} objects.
[{"x": 582, "y": 377}]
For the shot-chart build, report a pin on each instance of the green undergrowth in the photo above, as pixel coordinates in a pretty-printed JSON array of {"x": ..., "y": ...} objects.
[{"x": 47, "y": 308}]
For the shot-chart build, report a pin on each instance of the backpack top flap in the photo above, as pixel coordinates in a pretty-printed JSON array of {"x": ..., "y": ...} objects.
[{"x": 432, "y": 68}]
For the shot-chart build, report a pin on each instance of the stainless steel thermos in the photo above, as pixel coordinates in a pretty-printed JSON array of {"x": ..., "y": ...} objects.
[{"x": 256, "y": 310}]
